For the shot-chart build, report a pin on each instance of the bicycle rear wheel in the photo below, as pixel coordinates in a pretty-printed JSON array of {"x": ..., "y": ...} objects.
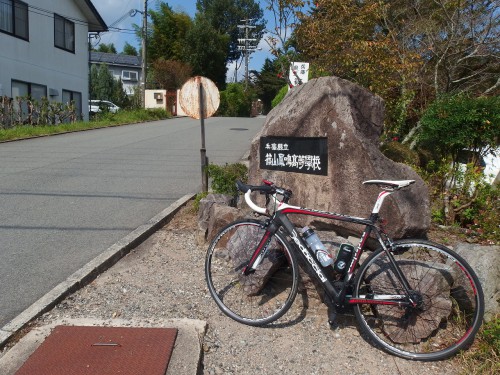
[
  {"x": 449, "y": 302},
  {"x": 261, "y": 297}
]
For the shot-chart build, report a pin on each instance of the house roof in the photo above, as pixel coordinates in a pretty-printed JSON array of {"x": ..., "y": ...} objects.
[
  {"x": 115, "y": 59},
  {"x": 96, "y": 23}
]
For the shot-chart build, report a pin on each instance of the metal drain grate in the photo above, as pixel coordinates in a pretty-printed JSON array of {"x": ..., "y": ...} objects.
[{"x": 102, "y": 350}]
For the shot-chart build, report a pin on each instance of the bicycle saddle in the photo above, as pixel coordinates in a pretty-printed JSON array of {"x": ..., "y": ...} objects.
[{"x": 389, "y": 184}]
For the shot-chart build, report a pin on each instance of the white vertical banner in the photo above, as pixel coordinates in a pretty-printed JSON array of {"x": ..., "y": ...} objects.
[{"x": 299, "y": 73}]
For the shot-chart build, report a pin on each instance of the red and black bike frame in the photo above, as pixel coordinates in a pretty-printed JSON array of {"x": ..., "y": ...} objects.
[{"x": 337, "y": 295}]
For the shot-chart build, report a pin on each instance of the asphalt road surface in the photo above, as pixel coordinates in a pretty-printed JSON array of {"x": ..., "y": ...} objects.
[{"x": 65, "y": 199}]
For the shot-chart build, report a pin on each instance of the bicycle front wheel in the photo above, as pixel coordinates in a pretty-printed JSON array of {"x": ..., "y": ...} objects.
[
  {"x": 447, "y": 301},
  {"x": 263, "y": 296}
]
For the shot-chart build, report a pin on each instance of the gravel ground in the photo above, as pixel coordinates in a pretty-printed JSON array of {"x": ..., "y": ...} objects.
[{"x": 164, "y": 278}]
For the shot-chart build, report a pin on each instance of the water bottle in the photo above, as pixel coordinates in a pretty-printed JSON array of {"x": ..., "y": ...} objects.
[
  {"x": 343, "y": 258},
  {"x": 317, "y": 246}
]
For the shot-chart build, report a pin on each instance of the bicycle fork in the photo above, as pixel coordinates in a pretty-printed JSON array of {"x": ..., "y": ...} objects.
[{"x": 261, "y": 250}]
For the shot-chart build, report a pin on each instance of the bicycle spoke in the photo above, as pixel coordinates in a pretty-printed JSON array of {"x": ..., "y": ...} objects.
[
  {"x": 446, "y": 295},
  {"x": 259, "y": 297}
]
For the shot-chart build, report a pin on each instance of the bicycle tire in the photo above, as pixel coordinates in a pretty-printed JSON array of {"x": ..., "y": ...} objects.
[
  {"x": 261, "y": 297},
  {"x": 451, "y": 301}
]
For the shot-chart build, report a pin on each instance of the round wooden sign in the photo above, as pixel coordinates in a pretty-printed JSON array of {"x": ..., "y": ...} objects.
[{"x": 189, "y": 97}]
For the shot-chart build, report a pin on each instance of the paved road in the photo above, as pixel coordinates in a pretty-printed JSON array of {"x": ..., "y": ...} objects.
[{"x": 65, "y": 199}]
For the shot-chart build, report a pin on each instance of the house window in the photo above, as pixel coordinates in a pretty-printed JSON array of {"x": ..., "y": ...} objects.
[
  {"x": 64, "y": 33},
  {"x": 33, "y": 90},
  {"x": 69, "y": 96},
  {"x": 27, "y": 89},
  {"x": 128, "y": 75},
  {"x": 14, "y": 18}
]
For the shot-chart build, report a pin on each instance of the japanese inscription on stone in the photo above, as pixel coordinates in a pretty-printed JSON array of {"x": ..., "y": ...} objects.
[{"x": 294, "y": 154}]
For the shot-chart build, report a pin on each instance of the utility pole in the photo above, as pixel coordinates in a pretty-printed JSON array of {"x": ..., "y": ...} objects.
[
  {"x": 144, "y": 46},
  {"x": 91, "y": 36},
  {"x": 246, "y": 46}
]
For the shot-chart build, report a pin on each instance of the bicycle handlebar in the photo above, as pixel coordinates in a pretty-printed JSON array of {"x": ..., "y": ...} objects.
[{"x": 268, "y": 189}]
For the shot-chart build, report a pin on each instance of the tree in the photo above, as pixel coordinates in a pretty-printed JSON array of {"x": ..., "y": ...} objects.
[
  {"x": 462, "y": 129},
  {"x": 94, "y": 69},
  {"x": 167, "y": 35},
  {"x": 119, "y": 95},
  {"x": 408, "y": 52},
  {"x": 170, "y": 74},
  {"x": 457, "y": 41},
  {"x": 268, "y": 82},
  {"x": 225, "y": 16},
  {"x": 457, "y": 44},
  {"x": 128, "y": 49},
  {"x": 103, "y": 86},
  {"x": 206, "y": 51},
  {"x": 103, "y": 83},
  {"x": 107, "y": 48},
  {"x": 286, "y": 15},
  {"x": 345, "y": 38},
  {"x": 460, "y": 122}
]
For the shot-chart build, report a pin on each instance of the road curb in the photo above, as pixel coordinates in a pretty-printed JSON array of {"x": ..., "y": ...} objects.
[{"x": 91, "y": 270}]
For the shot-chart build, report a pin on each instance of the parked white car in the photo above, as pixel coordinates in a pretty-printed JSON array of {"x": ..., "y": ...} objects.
[{"x": 96, "y": 106}]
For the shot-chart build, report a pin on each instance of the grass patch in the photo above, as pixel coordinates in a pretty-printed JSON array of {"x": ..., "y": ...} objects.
[
  {"x": 483, "y": 358},
  {"x": 99, "y": 121}
]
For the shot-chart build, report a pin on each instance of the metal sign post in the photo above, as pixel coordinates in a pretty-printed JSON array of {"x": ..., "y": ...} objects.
[
  {"x": 203, "y": 150},
  {"x": 199, "y": 99}
]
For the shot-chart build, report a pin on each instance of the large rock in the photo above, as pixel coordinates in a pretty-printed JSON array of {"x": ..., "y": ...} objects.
[
  {"x": 220, "y": 216},
  {"x": 207, "y": 203},
  {"x": 248, "y": 238},
  {"x": 352, "y": 120},
  {"x": 485, "y": 261}
]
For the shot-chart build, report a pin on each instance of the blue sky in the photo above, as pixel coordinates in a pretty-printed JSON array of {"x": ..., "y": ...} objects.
[{"x": 113, "y": 10}]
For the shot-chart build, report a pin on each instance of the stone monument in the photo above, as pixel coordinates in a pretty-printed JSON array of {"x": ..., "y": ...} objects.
[{"x": 351, "y": 119}]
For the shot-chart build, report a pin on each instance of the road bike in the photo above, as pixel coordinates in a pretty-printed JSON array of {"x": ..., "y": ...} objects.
[{"x": 413, "y": 298}]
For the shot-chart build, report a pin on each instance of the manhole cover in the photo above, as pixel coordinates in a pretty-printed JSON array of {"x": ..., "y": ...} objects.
[
  {"x": 102, "y": 350},
  {"x": 238, "y": 129}
]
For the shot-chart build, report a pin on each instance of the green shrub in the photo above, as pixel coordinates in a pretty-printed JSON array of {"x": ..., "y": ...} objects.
[
  {"x": 197, "y": 199},
  {"x": 235, "y": 101},
  {"x": 224, "y": 177},
  {"x": 100, "y": 121},
  {"x": 455, "y": 123},
  {"x": 463, "y": 198},
  {"x": 400, "y": 153},
  {"x": 280, "y": 96}
]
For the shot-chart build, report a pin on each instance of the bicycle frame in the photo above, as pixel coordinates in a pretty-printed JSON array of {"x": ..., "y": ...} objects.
[
  {"x": 279, "y": 219},
  {"x": 252, "y": 272}
]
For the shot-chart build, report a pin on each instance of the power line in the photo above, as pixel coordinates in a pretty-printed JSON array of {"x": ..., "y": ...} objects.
[
  {"x": 50, "y": 14},
  {"x": 46, "y": 13}
]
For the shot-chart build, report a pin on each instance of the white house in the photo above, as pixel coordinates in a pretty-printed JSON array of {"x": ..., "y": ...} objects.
[
  {"x": 125, "y": 67},
  {"x": 44, "y": 49}
]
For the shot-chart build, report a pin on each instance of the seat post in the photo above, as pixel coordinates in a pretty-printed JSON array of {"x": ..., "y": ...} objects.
[{"x": 380, "y": 200}]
